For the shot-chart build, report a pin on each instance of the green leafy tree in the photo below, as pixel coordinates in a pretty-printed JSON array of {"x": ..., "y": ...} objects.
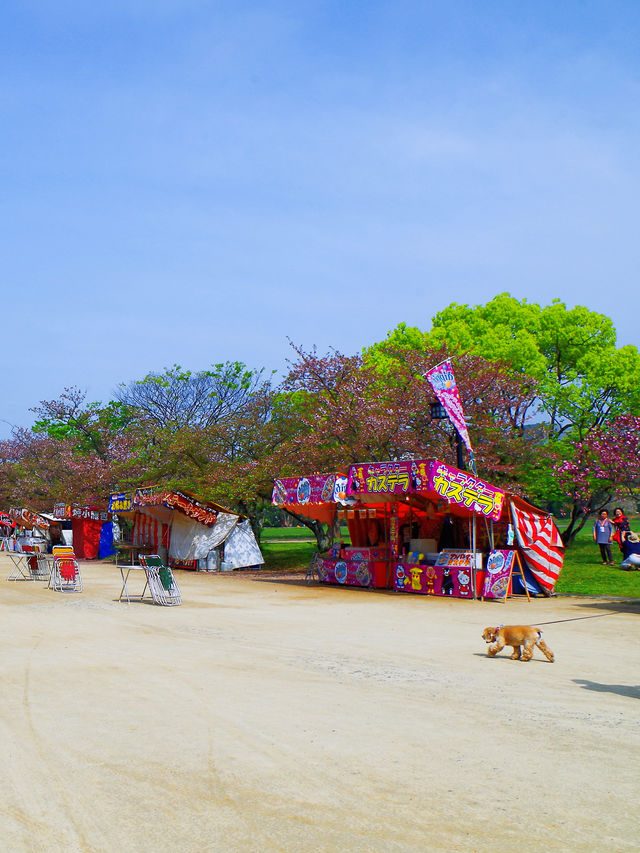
[{"x": 583, "y": 380}]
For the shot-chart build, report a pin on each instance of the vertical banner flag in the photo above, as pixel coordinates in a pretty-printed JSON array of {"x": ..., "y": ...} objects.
[{"x": 443, "y": 383}]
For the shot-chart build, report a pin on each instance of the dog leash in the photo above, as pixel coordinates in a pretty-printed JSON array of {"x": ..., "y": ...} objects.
[{"x": 576, "y": 619}]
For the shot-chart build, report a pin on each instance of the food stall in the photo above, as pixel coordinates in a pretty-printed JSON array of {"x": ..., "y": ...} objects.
[
  {"x": 32, "y": 530},
  {"x": 186, "y": 530},
  {"x": 91, "y": 529},
  {"x": 419, "y": 526}
]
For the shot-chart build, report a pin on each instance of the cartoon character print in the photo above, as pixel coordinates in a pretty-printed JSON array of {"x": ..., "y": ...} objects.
[
  {"x": 401, "y": 578},
  {"x": 416, "y": 479},
  {"x": 447, "y": 582},
  {"x": 363, "y": 575},
  {"x": 303, "y": 491},
  {"x": 464, "y": 579},
  {"x": 416, "y": 578},
  {"x": 340, "y": 571},
  {"x": 431, "y": 579},
  {"x": 340, "y": 491}
]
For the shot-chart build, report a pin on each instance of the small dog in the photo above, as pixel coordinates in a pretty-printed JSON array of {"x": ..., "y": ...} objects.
[{"x": 516, "y": 636}]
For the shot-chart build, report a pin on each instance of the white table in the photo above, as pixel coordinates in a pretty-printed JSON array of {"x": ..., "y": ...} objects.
[
  {"x": 125, "y": 571},
  {"x": 22, "y": 567}
]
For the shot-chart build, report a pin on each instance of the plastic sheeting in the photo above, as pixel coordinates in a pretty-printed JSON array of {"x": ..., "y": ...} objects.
[
  {"x": 241, "y": 549},
  {"x": 191, "y": 540},
  {"x": 223, "y": 527},
  {"x": 105, "y": 548}
]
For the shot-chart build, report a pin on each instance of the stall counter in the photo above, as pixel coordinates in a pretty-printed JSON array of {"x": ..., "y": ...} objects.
[{"x": 366, "y": 567}]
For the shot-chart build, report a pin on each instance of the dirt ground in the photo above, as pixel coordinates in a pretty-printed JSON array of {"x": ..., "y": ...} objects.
[{"x": 266, "y": 714}]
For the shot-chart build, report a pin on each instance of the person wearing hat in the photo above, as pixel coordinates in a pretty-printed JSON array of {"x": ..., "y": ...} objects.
[{"x": 631, "y": 550}]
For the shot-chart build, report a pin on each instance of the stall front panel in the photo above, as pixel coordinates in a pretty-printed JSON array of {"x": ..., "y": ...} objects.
[
  {"x": 366, "y": 567},
  {"x": 452, "y": 574}
]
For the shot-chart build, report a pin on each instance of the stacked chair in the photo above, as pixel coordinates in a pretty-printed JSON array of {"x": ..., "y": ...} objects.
[
  {"x": 65, "y": 574},
  {"x": 162, "y": 584}
]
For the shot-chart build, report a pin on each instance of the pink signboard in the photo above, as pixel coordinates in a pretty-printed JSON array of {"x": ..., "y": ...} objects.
[
  {"x": 315, "y": 489},
  {"x": 389, "y": 478},
  {"x": 433, "y": 580},
  {"x": 345, "y": 572},
  {"x": 466, "y": 490},
  {"x": 496, "y": 578}
]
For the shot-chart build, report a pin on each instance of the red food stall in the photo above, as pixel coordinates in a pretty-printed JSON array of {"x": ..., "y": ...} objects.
[{"x": 421, "y": 526}]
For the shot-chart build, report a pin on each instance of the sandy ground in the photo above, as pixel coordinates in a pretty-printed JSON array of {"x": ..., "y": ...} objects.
[{"x": 269, "y": 715}]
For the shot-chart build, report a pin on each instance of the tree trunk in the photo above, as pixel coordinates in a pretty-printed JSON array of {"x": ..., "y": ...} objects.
[
  {"x": 575, "y": 525},
  {"x": 579, "y": 518},
  {"x": 253, "y": 511},
  {"x": 322, "y": 532}
]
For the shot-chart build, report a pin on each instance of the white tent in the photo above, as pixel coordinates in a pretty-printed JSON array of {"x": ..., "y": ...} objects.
[{"x": 190, "y": 532}]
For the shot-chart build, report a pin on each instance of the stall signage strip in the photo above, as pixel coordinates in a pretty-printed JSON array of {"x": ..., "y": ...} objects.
[
  {"x": 66, "y": 511},
  {"x": 316, "y": 489},
  {"x": 466, "y": 490},
  {"x": 85, "y": 512},
  {"x": 176, "y": 500},
  {"x": 28, "y": 518}
]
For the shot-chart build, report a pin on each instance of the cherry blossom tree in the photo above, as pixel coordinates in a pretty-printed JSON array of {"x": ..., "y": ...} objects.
[{"x": 604, "y": 466}]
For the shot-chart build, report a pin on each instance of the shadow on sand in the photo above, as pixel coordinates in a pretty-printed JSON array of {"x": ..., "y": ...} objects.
[{"x": 620, "y": 689}]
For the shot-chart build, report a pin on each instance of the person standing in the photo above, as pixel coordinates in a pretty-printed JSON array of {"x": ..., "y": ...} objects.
[
  {"x": 621, "y": 524},
  {"x": 603, "y": 531}
]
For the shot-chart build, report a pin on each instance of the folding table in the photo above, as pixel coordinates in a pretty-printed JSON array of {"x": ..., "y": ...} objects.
[
  {"x": 23, "y": 566},
  {"x": 125, "y": 571}
]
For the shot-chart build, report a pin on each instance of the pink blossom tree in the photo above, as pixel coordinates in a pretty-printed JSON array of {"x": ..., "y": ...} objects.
[{"x": 604, "y": 466}]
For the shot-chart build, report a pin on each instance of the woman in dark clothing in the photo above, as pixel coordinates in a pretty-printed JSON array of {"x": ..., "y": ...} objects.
[
  {"x": 603, "y": 531},
  {"x": 621, "y": 523}
]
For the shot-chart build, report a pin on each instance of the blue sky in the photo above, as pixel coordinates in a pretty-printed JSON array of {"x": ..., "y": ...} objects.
[{"x": 190, "y": 182}]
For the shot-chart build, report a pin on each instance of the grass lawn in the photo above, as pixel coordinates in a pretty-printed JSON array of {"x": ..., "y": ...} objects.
[
  {"x": 582, "y": 573},
  {"x": 287, "y": 556},
  {"x": 292, "y": 533}
]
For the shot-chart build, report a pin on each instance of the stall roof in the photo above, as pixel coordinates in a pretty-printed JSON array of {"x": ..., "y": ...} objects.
[{"x": 192, "y": 505}]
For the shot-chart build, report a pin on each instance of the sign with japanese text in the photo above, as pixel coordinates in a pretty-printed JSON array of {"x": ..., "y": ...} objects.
[
  {"x": 176, "y": 500},
  {"x": 120, "y": 503},
  {"x": 456, "y": 559},
  {"x": 466, "y": 490},
  {"x": 388, "y": 478},
  {"x": 61, "y": 510}
]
